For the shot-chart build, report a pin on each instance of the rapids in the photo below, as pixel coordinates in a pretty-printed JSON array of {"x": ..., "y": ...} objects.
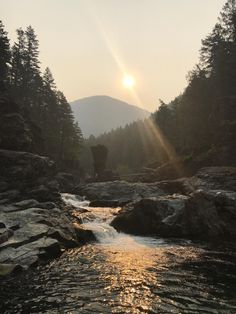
[{"x": 121, "y": 273}]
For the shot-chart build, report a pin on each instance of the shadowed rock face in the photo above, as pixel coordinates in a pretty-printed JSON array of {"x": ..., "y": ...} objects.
[
  {"x": 200, "y": 216},
  {"x": 207, "y": 211},
  {"x": 33, "y": 222}
]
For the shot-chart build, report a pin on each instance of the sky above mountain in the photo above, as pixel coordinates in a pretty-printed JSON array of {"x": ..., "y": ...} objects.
[{"x": 91, "y": 46}]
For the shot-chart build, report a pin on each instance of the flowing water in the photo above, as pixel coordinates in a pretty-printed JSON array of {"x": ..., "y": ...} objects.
[{"x": 125, "y": 274}]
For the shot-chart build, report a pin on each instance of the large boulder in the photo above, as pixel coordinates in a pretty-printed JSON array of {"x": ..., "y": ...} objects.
[
  {"x": 146, "y": 216},
  {"x": 27, "y": 234},
  {"x": 201, "y": 216},
  {"x": 213, "y": 178},
  {"x": 115, "y": 193},
  {"x": 25, "y": 175}
]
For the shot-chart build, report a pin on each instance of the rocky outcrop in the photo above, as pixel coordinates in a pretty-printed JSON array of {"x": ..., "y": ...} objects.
[
  {"x": 34, "y": 232},
  {"x": 206, "y": 211},
  {"x": 117, "y": 193},
  {"x": 34, "y": 222},
  {"x": 200, "y": 216},
  {"x": 31, "y": 175}
]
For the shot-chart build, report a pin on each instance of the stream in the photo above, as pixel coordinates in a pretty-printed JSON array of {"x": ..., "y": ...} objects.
[{"x": 121, "y": 273}]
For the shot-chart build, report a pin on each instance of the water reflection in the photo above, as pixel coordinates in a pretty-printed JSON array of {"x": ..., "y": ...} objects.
[{"x": 126, "y": 274}]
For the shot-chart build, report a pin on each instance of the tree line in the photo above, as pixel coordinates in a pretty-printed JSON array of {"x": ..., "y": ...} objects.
[
  {"x": 52, "y": 130},
  {"x": 198, "y": 124}
]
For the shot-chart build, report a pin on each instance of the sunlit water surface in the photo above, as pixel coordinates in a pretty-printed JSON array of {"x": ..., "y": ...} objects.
[{"x": 125, "y": 274}]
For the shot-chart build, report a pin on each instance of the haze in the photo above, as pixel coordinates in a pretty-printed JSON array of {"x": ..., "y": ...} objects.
[{"x": 90, "y": 45}]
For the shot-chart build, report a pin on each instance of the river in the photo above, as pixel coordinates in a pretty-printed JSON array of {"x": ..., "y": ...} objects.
[{"x": 121, "y": 273}]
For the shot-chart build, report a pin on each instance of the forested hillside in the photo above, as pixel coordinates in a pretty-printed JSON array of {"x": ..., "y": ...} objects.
[
  {"x": 35, "y": 115},
  {"x": 203, "y": 118},
  {"x": 198, "y": 125}
]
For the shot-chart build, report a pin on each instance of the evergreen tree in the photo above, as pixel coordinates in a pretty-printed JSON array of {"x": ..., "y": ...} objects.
[{"x": 5, "y": 56}]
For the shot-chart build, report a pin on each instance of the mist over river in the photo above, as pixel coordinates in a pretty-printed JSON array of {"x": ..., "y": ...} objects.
[{"x": 121, "y": 273}]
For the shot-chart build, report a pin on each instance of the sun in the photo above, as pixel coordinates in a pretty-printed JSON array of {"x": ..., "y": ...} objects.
[{"x": 128, "y": 81}]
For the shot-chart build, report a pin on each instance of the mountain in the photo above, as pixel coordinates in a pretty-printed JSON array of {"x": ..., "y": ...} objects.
[{"x": 99, "y": 114}]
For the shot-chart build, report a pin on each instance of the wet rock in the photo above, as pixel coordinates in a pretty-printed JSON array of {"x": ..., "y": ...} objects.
[
  {"x": 34, "y": 224},
  {"x": 5, "y": 234},
  {"x": 146, "y": 216},
  {"x": 47, "y": 205},
  {"x": 2, "y": 225},
  {"x": 26, "y": 204},
  {"x": 210, "y": 215},
  {"x": 201, "y": 216},
  {"x": 84, "y": 235},
  {"x": 7, "y": 269},
  {"x": 39, "y": 233},
  {"x": 30, "y": 253},
  {"x": 44, "y": 194},
  {"x": 28, "y": 233},
  {"x": 120, "y": 192}
]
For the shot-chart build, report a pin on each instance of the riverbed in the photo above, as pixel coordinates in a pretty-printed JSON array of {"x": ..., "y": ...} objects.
[{"x": 121, "y": 273}]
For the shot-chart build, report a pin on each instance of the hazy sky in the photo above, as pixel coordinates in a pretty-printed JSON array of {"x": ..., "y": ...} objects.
[{"x": 89, "y": 44}]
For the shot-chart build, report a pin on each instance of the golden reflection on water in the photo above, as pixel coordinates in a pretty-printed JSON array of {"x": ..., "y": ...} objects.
[{"x": 132, "y": 275}]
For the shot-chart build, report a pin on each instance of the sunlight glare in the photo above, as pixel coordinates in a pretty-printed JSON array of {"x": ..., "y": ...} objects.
[{"x": 128, "y": 81}]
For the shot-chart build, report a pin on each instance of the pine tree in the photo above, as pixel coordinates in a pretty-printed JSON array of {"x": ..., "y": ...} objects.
[{"x": 5, "y": 56}]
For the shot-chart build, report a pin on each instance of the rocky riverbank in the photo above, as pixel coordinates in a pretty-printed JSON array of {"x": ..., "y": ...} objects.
[
  {"x": 35, "y": 224},
  {"x": 201, "y": 207}
]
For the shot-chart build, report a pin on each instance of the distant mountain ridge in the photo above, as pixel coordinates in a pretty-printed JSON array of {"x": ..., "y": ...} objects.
[{"x": 99, "y": 114}]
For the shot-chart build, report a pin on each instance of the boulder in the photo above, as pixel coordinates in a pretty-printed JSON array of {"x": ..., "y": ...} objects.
[
  {"x": 7, "y": 269},
  {"x": 201, "y": 216},
  {"x": 29, "y": 254},
  {"x": 29, "y": 234},
  {"x": 22, "y": 166},
  {"x": 146, "y": 216},
  {"x": 118, "y": 192},
  {"x": 84, "y": 235},
  {"x": 44, "y": 194},
  {"x": 213, "y": 178}
]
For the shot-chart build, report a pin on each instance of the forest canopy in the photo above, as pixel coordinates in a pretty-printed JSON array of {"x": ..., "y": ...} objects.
[{"x": 37, "y": 107}]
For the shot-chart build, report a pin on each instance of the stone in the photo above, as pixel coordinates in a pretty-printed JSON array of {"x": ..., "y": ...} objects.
[
  {"x": 46, "y": 205},
  {"x": 146, "y": 216},
  {"x": 43, "y": 194},
  {"x": 26, "y": 204},
  {"x": 28, "y": 233},
  {"x": 29, "y": 254},
  {"x": 120, "y": 192},
  {"x": 202, "y": 215},
  {"x": 5, "y": 234},
  {"x": 84, "y": 235},
  {"x": 7, "y": 269},
  {"x": 2, "y": 225}
]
